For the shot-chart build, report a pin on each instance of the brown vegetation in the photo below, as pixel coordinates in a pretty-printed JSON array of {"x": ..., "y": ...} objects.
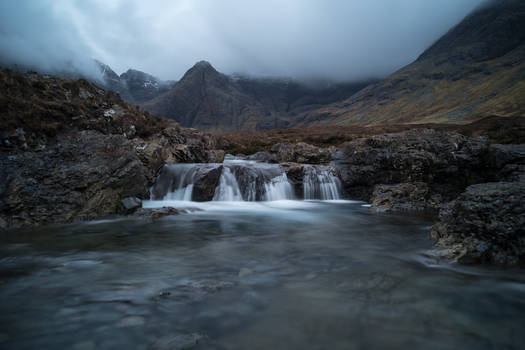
[{"x": 497, "y": 129}]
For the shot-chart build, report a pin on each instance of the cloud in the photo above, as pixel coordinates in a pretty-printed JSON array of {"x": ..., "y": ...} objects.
[{"x": 337, "y": 39}]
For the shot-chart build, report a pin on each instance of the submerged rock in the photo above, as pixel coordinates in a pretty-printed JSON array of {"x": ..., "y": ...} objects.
[
  {"x": 157, "y": 213},
  {"x": 485, "y": 224}
]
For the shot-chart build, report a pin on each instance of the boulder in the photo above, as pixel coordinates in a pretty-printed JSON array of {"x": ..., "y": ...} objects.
[
  {"x": 300, "y": 153},
  {"x": 485, "y": 224},
  {"x": 403, "y": 197},
  {"x": 83, "y": 176},
  {"x": 129, "y": 204}
]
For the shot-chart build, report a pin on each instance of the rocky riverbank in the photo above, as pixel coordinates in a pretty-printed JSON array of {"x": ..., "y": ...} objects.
[
  {"x": 475, "y": 185},
  {"x": 71, "y": 151}
]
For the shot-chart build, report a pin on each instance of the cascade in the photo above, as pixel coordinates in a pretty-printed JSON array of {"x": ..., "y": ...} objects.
[
  {"x": 243, "y": 180},
  {"x": 320, "y": 182},
  {"x": 228, "y": 188}
]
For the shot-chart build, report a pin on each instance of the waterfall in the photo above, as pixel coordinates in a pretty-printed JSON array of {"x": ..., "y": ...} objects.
[
  {"x": 175, "y": 182},
  {"x": 244, "y": 180},
  {"x": 320, "y": 183},
  {"x": 278, "y": 188},
  {"x": 228, "y": 188}
]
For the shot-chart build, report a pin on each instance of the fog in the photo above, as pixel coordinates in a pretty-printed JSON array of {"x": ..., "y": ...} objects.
[{"x": 304, "y": 39}]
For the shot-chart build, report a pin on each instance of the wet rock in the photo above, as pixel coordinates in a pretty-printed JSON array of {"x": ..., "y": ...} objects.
[
  {"x": 216, "y": 156},
  {"x": 485, "y": 224},
  {"x": 157, "y": 213},
  {"x": 129, "y": 204},
  {"x": 203, "y": 177},
  {"x": 262, "y": 157},
  {"x": 446, "y": 162},
  {"x": 403, "y": 197},
  {"x": 83, "y": 176}
]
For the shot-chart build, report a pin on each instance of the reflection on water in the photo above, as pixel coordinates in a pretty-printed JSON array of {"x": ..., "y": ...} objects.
[{"x": 280, "y": 275}]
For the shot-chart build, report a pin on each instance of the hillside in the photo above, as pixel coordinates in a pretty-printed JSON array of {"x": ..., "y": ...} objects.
[
  {"x": 134, "y": 86},
  {"x": 475, "y": 70},
  {"x": 209, "y": 100}
]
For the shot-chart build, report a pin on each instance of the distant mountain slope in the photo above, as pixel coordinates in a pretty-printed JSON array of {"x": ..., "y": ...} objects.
[
  {"x": 209, "y": 100},
  {"x": 133, "y": 86},
  {"x": 475, "y": 70}
]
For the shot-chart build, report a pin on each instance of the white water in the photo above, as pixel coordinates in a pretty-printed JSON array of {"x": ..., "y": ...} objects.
[
  {"x": 278, "y": 188},
  {"x": 228, "y": 189},
  {"x": 242, "y": 180},
  {"x": 321, "y": 182}
]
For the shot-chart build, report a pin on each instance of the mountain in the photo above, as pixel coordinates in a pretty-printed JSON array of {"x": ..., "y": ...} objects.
[
  {"x": 209, "y": 100},
  {"x": 475, "y": 70},
  {"x": 134, "y": 86}
]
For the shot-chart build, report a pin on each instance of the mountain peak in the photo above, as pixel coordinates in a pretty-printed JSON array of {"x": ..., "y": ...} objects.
[{"x": 203, "y": 64}]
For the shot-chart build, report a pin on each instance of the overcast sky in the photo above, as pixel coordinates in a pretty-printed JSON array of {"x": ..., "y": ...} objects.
[{"x": 332, "y": 39}]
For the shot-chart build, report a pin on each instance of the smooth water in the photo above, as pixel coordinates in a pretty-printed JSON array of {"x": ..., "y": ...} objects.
[{"x": 251, "y": 275}]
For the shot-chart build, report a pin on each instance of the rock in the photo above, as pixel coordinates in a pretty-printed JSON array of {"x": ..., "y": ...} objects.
[
  {"x": 216, "y": 156},
  {"x": 157, "y": 213},
  {"x": 446, "y": 162},
  {"x": 484, "y": 225},
  {"x": 262, "y": 157},
  {"x": 129, "y": 204},
  {"x": 204, "y": 178},
  {"x": 72, "y": 151},
  {"x": 300, "y": 153},
  {"x": 83, "y": 176},
  {"x": 401, "y": 197}
]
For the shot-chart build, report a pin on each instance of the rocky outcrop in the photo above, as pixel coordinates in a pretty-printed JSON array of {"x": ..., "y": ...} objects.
[
  {"x": 71, "y": 151},
  {"x": 300, "y": 153},
  {"x": 81, "y": 177},
  {"x": 485, "y": 224},
  {"x": 446, "y": 162},
  {"x": 414, "y": 196}
]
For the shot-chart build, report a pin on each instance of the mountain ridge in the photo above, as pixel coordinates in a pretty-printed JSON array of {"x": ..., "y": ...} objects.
[
  {"x": 209, "y": 100},
  {"x": 475, "y": 70}
]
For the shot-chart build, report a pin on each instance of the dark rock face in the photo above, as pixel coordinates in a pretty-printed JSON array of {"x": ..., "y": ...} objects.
[
  {"x": 446, "y": 162},
  {"x": 485, "y": 224},
  {"x": 402, "y": 197},
  {"x": 71, "y": 151},
  {"x": 300, "y": 153},
  {"x": 82, "y": 177}
]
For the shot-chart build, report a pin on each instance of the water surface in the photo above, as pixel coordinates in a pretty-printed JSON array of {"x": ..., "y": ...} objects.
[{"x": 260, "y": 275}]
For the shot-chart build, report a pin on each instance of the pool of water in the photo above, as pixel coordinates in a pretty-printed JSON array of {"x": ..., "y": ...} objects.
[{"x": 265, "y": 275}]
